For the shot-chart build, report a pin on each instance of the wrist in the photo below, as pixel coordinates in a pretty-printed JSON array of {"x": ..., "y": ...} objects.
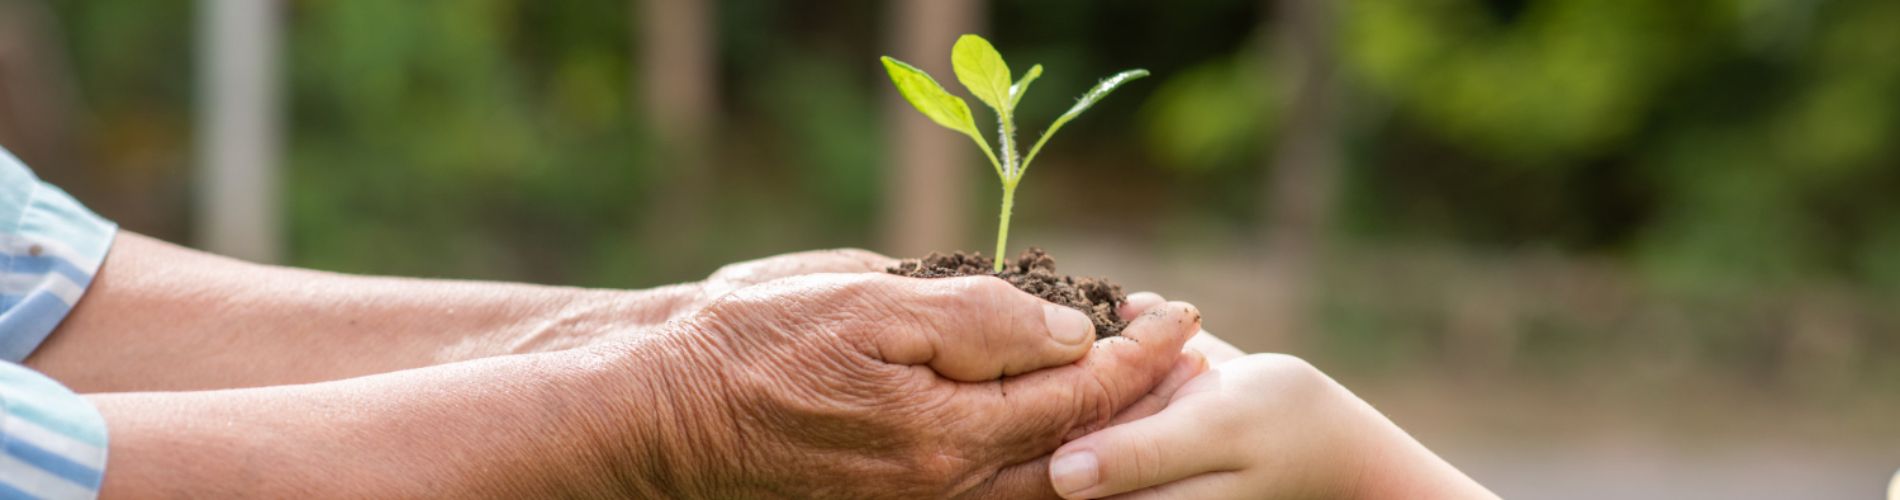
[
  {"x": 555, "y": 430},
  {"x": 660, "y": 405}
]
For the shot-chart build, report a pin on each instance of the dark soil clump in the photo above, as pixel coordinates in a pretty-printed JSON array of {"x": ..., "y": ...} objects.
[{"x": 1033, "y": 271}]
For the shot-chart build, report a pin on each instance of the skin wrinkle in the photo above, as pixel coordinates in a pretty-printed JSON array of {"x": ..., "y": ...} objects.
[
  {"x": 699, "y": 453},
  {"x": 1104, "y": 409},
  {"x": 973, "y": 474},
  {"x": 1034, "y": 421},
  {"x": 1035, "y": 465},
  {"x": 543, "y": 333},
  {"x": 778, "y": 388},
  {"x": 1148, "y": 461},
  {"x": 593, "y": 428}
]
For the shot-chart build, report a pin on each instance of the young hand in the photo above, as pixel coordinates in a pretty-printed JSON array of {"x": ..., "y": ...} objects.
[{"x": 1259, "y": 426}]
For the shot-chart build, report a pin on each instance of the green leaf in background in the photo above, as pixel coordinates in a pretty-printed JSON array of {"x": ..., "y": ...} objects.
[
  {"x": 1022, "y": 86},
  {"x": 983, "y": 71},
  {"x": 1212, "y": 115},
  {"x": 1087, "y": 101}
]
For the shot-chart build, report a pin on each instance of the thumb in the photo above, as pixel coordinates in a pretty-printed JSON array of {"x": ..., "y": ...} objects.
[
  {"x": 981, "y": 328},
  {"x": 1067, "y": 402}
]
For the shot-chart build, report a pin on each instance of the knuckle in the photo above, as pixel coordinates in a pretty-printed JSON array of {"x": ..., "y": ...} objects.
[
  {"x": 987, "y": 289},
  {"x": 1000, "y": 304},
  {"x": 866, "y": 290},
  {"x": 970, "y": 298},
  {"x": 729, "y": 270},
  {"x": 740, "y": 268},
  {"x": 1095, "y": 404},
  {"x": 938, "y": 470},
  {"x": 1296, "y": 378},
  {"x": 1292, "y": 367}
]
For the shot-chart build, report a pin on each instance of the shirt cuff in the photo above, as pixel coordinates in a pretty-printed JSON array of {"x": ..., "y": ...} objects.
[
  {"x": 52, "y": 442},
  {"x": 49, "y": 258}
]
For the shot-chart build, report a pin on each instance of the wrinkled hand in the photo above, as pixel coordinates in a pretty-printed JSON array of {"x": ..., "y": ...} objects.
[{"x": 871, "y": 385}]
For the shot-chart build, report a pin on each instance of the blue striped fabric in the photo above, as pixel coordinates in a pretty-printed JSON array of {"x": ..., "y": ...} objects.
[{"x": 52, "y": 442}]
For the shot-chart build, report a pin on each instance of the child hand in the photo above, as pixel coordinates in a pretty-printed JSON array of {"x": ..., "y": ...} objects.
[{"x": 1259, "y": 426}]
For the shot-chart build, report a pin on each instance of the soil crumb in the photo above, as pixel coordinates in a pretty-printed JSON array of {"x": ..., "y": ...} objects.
[{"x": 1033, "y": 271}]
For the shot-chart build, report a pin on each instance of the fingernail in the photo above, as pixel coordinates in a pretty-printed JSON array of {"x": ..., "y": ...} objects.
[
  {"x": 1067, "y": 325},
  {"x": 1074, "y": 472}
]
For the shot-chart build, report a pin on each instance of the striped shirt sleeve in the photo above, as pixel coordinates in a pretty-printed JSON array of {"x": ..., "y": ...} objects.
[{"x": 52, "y": 442}]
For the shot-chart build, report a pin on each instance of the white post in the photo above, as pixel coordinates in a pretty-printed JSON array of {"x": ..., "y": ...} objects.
[{"x": 239, "y": 129}]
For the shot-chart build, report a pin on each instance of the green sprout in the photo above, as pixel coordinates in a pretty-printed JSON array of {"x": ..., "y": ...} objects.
[{"x": 983, "y": 72}]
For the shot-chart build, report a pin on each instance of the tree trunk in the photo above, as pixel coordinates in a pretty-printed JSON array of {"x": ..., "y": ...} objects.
[
  {"x": 926, "y": 190},
  {"x": 1304, "y": 169},
  {"x": 677, "y": 75},
  {"x": 37, "y": 107}
]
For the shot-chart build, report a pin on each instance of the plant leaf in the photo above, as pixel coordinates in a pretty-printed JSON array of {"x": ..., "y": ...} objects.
[
  {"x": 1087, "y": 101},
  {"x": 1022, "y": 86},
  {"x": 929, "y": 98},
  {"x": 982, "y": 70},
  {"x": 933, "y": 101}
]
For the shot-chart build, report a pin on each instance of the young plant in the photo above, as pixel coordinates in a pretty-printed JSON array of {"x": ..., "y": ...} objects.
[{"x": 983, "y": 73}]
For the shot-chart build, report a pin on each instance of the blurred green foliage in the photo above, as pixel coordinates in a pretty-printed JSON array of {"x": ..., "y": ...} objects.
[
  {"x": 483, "y": 138},
  {"x": 1715, "y": 147},
  {"x": 1723, "y": 145}
]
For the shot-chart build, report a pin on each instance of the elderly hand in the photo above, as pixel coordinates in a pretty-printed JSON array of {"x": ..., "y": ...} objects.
[{"x": 871, "y": 385}]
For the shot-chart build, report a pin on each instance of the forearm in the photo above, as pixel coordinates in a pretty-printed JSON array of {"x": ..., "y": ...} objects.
[
  {"x": 161, "y": 317},
  {"x": 528, "y": 426}
]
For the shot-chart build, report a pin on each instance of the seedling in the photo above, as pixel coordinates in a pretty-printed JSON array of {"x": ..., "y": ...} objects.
[{"x": 983, "y": 72}]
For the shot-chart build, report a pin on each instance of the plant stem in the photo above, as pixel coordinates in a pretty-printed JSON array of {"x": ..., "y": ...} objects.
[
  {"x": 1002, "y": 225},
  {"x": 1006, "y": 138}
]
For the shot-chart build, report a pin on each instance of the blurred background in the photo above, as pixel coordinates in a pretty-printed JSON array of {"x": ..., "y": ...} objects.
[{"x": 1584, "y": 248}]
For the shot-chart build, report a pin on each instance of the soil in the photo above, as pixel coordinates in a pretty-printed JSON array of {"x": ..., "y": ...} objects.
[{"x": 1033, "y": 271}]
